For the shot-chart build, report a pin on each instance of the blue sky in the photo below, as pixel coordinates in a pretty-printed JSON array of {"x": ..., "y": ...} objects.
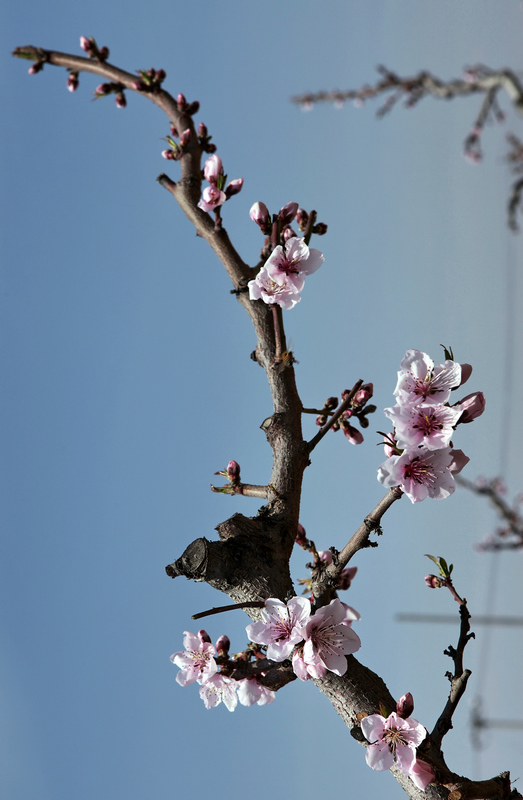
[{"x": 128, "y": 383}]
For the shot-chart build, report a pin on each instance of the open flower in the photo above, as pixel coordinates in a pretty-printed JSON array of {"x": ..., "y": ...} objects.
[
  {"x": 419, "y": 381},
  {"x": 392, "y": 741},
  {"x": 273, "y": 290},
  {"x": 420, "y": 473},
  {"x": 430, "y": 426},
  {"x": 196, "y": 662},
  {"x": 212, "y": 197},
  {"x": 281, "y": 626},
  {"x": 294, "y": 262},
  {"x": 218, "y": 688},
  {"x": 329, "y": 637}
]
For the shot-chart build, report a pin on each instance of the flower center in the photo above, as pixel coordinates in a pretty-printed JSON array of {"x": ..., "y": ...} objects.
[
  {"x": 394, "y": 737},
  {"x": 419, "y": 471}
]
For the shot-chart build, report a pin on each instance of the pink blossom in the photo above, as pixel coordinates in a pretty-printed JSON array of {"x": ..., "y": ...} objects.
[
  {"x": 213, "y": 169},
  {"x": 459, "y": 460},
  {"x": 294, "y": 262},
  {"x": 218, "y": 688},
  {"x": 273, "y": 290},
  {"x": 233, "y": 187},
  {"x": 352, "y": 434},
  {"x": 419, "y": 381},
  {"x": 421, "y": 773},
  {"x": 86, "y": 44},
  {"x": 430, "y": 426},
  {"x": 306, "y": 671},
  {"x": 420, "y": 473},
  {"x": 392, "y": 741},
  {"x": 250, "y": 692},
  {"x": 196, "y": 662},
  {"x": 346, "y": 577},
  {"x": 288, "y": 212},
  {"x": 280, "y": 627},
  {"x": 329, "y": 637},
  {"x": 405, "y": 705},
  {"x": 259, "y": 214},
  {"x": 212, "y": 197}
]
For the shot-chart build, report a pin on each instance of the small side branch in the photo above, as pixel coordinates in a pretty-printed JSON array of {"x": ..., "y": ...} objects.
[{"x": 337, "y": 414}]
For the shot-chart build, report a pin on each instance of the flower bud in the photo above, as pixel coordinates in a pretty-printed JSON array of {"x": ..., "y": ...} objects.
[
  {"x": 181, "y": 102},
  {"x": 223, "y": 645},
  {"x": 204, "y": 636},
  {"x": 363, "y": 394},
  {"x": 86, "y": 44},
  {"x": 288, "y": 212},
  {"x": 353, "y": 435},
  {"x": 174, "y": 131},
  {"x": 321, "y": 420},
  {"x": 466, "y": 372},
  {"x": 202, "y": 130},
  {"x": 168, "y": 154},
  {"x": 301, "y": 536},
  {"x": 72, "y": 81},
  {"x": 103, "y": 53},
  {"x": 434, "y": 581},
  {"x": 320, "y": 229},
  {"x": 161, "y": 75},
  {"x": 212, "y": 169},
  {"x": 473, "y": 406},
  {"x": 345, "y": 577},
  {"x": 288, "y": 233},
  {"x": 405, "y": 706},
  {"x": 302, "y": 218},
  {"x": 331, "y": 403},
  {"x": 233, "y": 187},
  {"x": 185, "y": 137},
  {"x": 36, "y": 67},
  {"x": 103, "y": 89},
  {"x": 233, "y": 471},
  {"x": 121, "y": 100},
  {"x": 325, "y": 556},
  {"x": 259, "y": 214},
  {"x": 193, "y": 108}
]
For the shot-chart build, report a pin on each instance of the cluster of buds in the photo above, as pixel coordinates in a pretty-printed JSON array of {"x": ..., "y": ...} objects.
[
  {"x": 90, "y": 47},
  {"x": 204, "y": 140},
  {"x": 259, "y": 214},
  {"x": 358, "y": 410},
  {"x": 322, "y": 558},
  {"x": 218, "y": 190},
  {"x": 150, "y": 80},
  {"x": 303, "y": 217},
  {"x": 176, "y": 151},
  {"x": 117, "y": 89},
  {"x": 187, "y": 108}
]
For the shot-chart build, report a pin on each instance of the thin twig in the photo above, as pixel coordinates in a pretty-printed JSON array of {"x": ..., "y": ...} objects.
[{"x": 337, "y": 414}]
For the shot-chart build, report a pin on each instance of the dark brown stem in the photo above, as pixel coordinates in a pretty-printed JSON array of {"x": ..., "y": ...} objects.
[{"x": 221, "y": 609}]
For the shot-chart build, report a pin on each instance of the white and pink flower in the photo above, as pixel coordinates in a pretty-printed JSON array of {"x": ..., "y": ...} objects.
[
  {"x": 392, "y": 741},
  {"x": 273, "y": 290},
  {"x": 293, "y": 262},
  {"x": 212, "y": 198},
  {"x": 419, "y": 381},
  {"x": 196, "y": 662},
  {"x": 250, "y": 692},
  {"x": 429, "y": 426},
  {"x": 281, "y": 626},
  {"x": 329, "y": 638},
  {"x": 218, "y": 688},
  {"x": 420, "y": 473}
]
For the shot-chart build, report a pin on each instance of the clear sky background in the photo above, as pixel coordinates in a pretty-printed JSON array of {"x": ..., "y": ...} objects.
[{"x": 127, "y": 383}]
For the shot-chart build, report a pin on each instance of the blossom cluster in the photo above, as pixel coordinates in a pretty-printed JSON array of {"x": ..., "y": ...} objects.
[
  {"x": 217, "y": 192},
  {"x": 320, "y": 642},
  {"x": 421, "y": 458},
  {"x": 197, "y": 664},
  {"x": 281, "y": 279},
  {"x": 393, "y": 741}
]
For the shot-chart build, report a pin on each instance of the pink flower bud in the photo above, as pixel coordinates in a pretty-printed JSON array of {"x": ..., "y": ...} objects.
[
  {"x": 72, "y": 82},
  {"x": 473, "y": 406},
  {"x": 288, "y": 212},
  {"x": 321, "y": 420},
  {"x": 466, "y": 372},
  {"x": 86, "y": 44},
  {"x": 168, "y": 154},
  {"x": 353, "y": 435},
  {"x": 405, "y": 706},
  {"x": 302, "y": 218},
  {"x": 36, "y": 67},
  {"x": 223, "y": 645},
  {"x": 259, "y": 214},
  {"x": 363, "y": 394},
  {"x": 320, "y": 229},
  {"x": 434, "y": 581},
  {"x": 121, "y": 100},
  {"x": 204, "y": 636},
  {"x": 212, "y": 169},
  {"x": 331, "y": 403},
  {"x": 233, "y": 187},
  {"x": 103, "y": 53},
  {"x": 161, "y": 75},
  {"x": 301, "y": 536},
  {"x": 181, "y": 102},
  {"x": 233, "y": 471},
  {"x": 102, "y": 89},
  {"x": 174, "y": 131},
  {"x": 185, "y": 137},
  {"x": 345, "y": 577},
  {"x": 193, "y": 108},
  {"x": 325, "y": 556},
  {"x": 202, "y": 130}
]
